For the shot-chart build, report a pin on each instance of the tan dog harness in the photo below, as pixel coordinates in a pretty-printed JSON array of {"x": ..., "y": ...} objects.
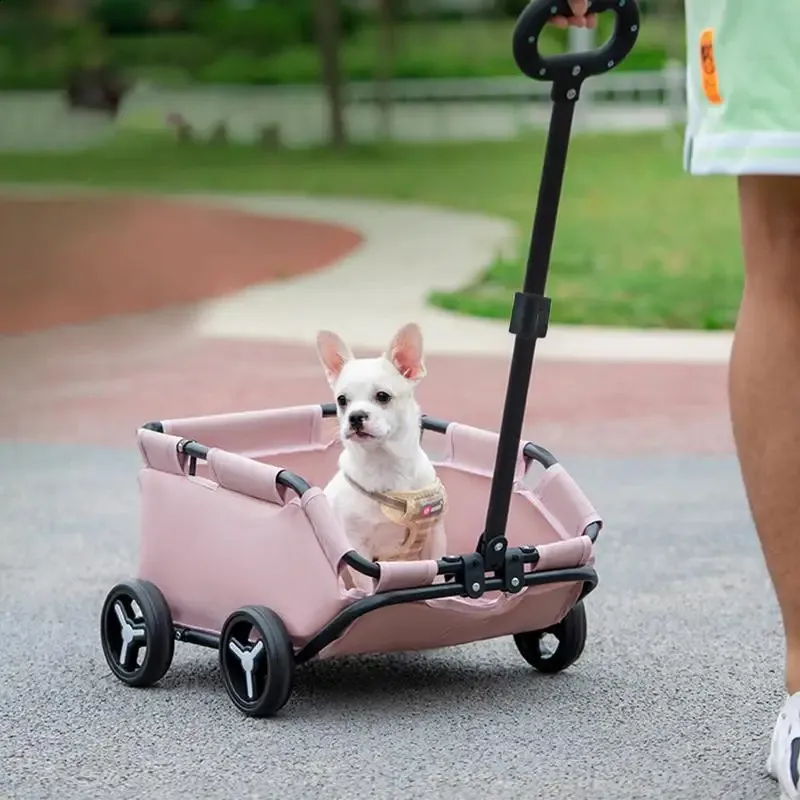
[{"x": 417, "y": 511}]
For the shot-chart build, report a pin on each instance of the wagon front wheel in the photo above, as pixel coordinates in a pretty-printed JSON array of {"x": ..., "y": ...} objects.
[
  {"x": 544, "y": 655},
  {"x": 257, "y": 661},
  {"x": 136, "y": 633}
]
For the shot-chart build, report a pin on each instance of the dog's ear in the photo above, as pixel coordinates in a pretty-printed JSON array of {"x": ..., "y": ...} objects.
[
  {"x": 405, "y": 352},
  {"x": 334, "y": 353}
]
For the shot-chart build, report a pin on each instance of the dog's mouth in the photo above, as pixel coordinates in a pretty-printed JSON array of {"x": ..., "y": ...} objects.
[{"x": 359, "y": 435}]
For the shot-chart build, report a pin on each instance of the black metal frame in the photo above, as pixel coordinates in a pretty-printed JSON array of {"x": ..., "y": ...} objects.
[
  {"x": 494, "y": 566},
  {"x": 467, "y": 575}
]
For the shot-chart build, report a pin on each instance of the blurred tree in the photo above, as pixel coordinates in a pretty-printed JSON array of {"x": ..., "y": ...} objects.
[
  {"x": 386, "y": 57},
  {"x": 327, "y": 19}
]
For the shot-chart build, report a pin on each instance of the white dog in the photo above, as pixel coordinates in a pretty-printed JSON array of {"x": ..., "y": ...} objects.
[{"x": 386, "y": 492}]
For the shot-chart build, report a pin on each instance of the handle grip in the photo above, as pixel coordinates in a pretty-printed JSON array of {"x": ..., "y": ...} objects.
[{"x": 573, "y": 67}]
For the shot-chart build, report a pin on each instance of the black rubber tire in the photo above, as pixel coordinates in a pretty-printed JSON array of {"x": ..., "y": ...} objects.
[
  {"x": 273, "y": 672},
  {"x": 571, "y": 635},
  {"x": 158, "y": 639}
]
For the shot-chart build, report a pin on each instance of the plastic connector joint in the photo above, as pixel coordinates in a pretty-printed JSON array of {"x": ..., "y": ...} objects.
[
  {"x": 530, "y": 315},
  {"x": 514, "y": 572}
]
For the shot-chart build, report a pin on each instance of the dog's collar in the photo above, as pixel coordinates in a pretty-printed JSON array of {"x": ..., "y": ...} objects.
[
  {"x": 406, "y": 502},
  {"x": 378, "y": 497},
  {"x": 416, "y": 511}
]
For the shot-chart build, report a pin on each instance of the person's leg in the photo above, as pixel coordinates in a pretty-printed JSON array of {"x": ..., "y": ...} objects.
[
  {"x": 744, "y": 121},
  {"x": 765, "y": 410},
  {"x": 765, "y": 386}
]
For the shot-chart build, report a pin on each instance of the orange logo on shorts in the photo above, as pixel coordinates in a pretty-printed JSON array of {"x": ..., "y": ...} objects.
[{"x": 708, "y": 69}]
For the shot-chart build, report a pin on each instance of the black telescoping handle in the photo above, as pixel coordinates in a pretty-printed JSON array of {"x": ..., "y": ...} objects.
[
  {"x": 531, "y": 309},
  {"x": 569, "y": 66}
]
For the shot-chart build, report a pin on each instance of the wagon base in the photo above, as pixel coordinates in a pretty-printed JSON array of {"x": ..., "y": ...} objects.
[{"x": 567, "y": 630}]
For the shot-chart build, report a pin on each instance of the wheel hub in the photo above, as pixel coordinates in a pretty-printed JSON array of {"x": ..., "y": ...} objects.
[
  {"x": 130, "y": 633},
  {"x": 247, "y": 657}
]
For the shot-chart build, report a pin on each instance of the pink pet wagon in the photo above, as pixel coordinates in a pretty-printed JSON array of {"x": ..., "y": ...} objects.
[{"x": 241, "y": 554}]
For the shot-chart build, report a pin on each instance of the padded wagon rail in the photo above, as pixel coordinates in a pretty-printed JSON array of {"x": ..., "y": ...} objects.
[{"x": 465, "y": 575}]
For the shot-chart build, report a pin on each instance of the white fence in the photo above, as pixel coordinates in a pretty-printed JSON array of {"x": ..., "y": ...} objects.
[
  {"x": 664, "y": 87},
  {"x": 423, "y": 110}
]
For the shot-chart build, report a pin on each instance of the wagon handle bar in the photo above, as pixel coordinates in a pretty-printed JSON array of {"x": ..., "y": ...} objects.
[
  {"x": 530, "y": 311},
  {"x": 569, "y": 70}
]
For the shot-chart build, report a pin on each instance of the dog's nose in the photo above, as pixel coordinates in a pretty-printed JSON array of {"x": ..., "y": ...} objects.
[{"x": 357, "y": 419}]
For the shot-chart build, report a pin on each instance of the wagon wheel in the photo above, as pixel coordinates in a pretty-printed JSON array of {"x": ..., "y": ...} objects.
[
  {"x": 136, "y": 633},
  {"x": 257, "y": 661},
  {"x": 570, "y": 635}
]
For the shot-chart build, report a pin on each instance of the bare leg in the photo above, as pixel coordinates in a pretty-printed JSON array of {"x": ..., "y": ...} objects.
[{"x": 765, "y": 387}]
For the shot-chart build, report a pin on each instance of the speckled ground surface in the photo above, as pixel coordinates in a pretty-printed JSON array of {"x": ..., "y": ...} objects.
[{"x": 674, "y": 696}]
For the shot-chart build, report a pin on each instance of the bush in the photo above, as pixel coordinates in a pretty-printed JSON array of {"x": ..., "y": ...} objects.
[
  {"x": 230, "y": 46},
  {"x": 351, "y": 20},
  {"x": 267, "y": 26},
  {"x": 47, "y": 71},
  {"x": 41, "y": 55},
  {"x": 513, "y": 8},
  {"x": 139, "y": 17},
  {"x": 510, "y": 8},
  {"x": 235, "y": 68},
  {"x": 24, "y": 33},
  {"x": 186, "y": 51},
  {"x": 296, "y": 65},
  {"x": 416, "y": 10},
  {"x": 122, "y": 17}
]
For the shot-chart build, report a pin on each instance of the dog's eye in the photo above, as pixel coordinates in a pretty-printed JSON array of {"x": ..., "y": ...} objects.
[
  {"x": 383, "y": 397},
  {"x": 341, "y": 401}
]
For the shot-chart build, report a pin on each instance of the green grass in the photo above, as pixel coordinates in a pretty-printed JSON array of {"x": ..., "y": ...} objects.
[{"x": 638, "y": 242}]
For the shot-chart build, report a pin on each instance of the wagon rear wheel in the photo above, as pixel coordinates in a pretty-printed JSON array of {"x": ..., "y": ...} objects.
[
  {"x": 136, "y": 633},
  {"x": 570, "y": 638},
  {"x": 257, "y": 661}
]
